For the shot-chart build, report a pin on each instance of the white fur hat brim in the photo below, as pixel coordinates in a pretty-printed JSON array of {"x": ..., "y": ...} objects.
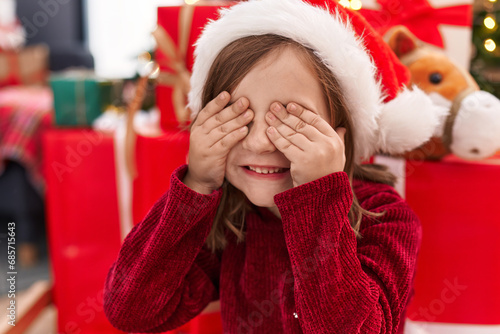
[{"x": 343, "y": 52}]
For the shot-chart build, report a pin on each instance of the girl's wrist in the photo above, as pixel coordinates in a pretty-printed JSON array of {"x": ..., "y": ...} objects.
[{"x": 196, "y": 186}]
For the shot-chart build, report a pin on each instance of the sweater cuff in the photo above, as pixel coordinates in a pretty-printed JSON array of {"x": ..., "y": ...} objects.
[
  {"x": 187, "y": 195},
  {"x": 336, "y": 186}
]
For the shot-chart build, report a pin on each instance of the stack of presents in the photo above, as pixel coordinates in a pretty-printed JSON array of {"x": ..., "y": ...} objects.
[{"x": 100, "y": 182}]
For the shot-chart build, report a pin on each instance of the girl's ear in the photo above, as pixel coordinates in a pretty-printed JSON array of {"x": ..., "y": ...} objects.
[{"x": 401, "y": 40}]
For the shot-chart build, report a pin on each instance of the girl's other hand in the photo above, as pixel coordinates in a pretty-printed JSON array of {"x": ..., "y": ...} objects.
[
  {"x": 213, "y": 134},
  {"x": 313, "y": 147}
]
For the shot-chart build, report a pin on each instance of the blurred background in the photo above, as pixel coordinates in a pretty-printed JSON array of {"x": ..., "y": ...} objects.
[{"x": 92, "y": 123}]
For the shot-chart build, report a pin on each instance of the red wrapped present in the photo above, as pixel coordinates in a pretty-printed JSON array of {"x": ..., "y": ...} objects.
[
  {"x": 388, "y": 13},
  {"x": 29, "y": 66},
  {"x": 178, "y": 29},
  {"x": 458, "y": 267},
  {"x": 83, "y": 225},
  {"x": 83, "y": 219},
  {"x": 445, "y": 24},
  {"x": 156, "y": 158}
]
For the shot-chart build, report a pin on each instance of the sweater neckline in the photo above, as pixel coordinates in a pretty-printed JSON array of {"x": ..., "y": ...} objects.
[{"x": 262, "y": 217}]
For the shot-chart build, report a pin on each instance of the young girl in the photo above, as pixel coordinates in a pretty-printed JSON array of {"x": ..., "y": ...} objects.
[{"x": 275, "y": 215}]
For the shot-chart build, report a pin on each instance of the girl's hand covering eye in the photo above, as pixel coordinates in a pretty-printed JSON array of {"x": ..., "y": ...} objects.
[
  {"x": 313, "y": 147},
  {"x": 214, "y": 132}
]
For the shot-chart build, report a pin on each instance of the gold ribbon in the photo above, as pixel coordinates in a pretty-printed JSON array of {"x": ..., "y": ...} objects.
[
  {"x": 81, "y": 107},
  {"x": 179, "y": 78},
  {"x": 131, "y": 136}
]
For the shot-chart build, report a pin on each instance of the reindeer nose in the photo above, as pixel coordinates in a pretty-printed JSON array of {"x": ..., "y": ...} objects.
[{"x": 475, "y": 151}]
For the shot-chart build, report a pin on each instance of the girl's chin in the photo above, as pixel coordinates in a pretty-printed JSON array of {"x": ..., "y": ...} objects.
[{"x": 266, "y": 203}]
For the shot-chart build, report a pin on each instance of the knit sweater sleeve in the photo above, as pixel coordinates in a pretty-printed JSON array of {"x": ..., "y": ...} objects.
[
  {"x": 164, "y": 275},
  {"x": 341, "y": 284}
]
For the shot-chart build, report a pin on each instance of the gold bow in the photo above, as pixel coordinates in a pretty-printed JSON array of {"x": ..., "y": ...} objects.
[{"x": 179, "y": 78}]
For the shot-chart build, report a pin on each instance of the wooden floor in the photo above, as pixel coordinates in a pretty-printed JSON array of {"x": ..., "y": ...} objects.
[
  {"x": 46, "y": 323},
  {"x": 35, "y": 313}
]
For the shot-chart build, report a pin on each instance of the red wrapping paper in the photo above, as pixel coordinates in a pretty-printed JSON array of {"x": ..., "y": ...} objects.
[
  {"x": 168, "y": 18},
  {"x": 419, "y": 16},
  {"x": 83, "y": 221},
  {"x": 156, "y": 159},
  {"x": 83, "y": 226},
  {"x": 458, "y": 267}
]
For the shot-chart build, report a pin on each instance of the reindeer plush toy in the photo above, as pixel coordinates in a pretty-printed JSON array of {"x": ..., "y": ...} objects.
[{"x": 471, "y": 129}]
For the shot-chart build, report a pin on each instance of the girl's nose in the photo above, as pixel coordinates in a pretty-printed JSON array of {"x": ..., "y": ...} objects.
[{"x": 257, "y": 140}]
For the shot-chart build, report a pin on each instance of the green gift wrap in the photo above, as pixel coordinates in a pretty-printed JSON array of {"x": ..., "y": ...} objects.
[{"x": 79, "y": 98}]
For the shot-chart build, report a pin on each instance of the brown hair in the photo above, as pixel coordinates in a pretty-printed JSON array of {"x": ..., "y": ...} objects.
[{"x": 227, "y": 71}]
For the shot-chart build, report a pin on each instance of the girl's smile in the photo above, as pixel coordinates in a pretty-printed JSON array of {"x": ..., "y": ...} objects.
[
  {"x": 254, "y": 165},
  {"x": 267, "y": 172}
]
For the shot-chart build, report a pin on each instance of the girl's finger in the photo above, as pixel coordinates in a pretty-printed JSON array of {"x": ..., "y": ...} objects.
[
  {"x": 290, "y": 150},
  {"x": 229, "y": 113},
  {"x": 292, "y": 121},
  {"x": 227, "y": 142},
  {"x": 292, "y": 136},
  {"x": 311, "y": 118},
  {"x": 212, "y": 108},
  {"x": 227, "y": 128},
  {"x": 341, "y": 132}
]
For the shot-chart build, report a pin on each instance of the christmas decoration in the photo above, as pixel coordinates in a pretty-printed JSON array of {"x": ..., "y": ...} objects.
[
  {"x": 485, "y": 65},
  {"x": 471, "y": 130}
]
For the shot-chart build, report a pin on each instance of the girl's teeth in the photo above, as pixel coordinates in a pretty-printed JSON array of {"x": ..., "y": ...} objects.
[{"x": 264, "y": 170}]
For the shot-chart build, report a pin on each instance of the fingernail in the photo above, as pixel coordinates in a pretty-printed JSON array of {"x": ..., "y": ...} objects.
[
  {"x": 276, "y": 107},
  {"x": 222, "y": 95},
  {"x": 271, "y": 129},
  {"x": 240, "y": 103},
  {"x": 243, "y": 129},
  {"x": 292, "y": 107},
  {"x": 271, "y": 116},
  {"x": 247, "y": 114}
]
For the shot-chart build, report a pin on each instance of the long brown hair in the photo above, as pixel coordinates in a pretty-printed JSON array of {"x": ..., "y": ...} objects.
[{"x": 227, "y": 71}]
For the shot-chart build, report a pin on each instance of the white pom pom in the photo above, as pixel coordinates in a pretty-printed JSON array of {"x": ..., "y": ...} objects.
[{"x": 408, "y": 121}]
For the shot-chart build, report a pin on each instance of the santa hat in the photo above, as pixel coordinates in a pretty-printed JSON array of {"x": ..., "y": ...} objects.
[{"x": 387, "y": 117}]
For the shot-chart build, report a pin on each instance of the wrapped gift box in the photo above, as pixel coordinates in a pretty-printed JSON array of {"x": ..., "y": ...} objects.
[
  {"x": 82, "y": 224},
  {"x": 458, "y": 267},
  {"x": 445, "y": 24},
  {"x": 28, "y": 66},
  {"x": 156, "y": 159},
  {"x": 80, "y": 97},
  {"x": 83, "y": 219},
  {"x": 183, "y": 24}
]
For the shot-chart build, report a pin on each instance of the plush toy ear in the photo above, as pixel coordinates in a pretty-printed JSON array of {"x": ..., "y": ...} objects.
[{"x": 401, "y": 40}]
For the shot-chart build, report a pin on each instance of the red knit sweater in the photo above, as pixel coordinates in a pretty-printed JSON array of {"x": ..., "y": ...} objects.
[{"x": 305, "y": 273}]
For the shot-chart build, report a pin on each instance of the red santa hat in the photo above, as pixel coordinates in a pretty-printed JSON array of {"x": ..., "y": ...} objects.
[{"x": 387, "y": 116}]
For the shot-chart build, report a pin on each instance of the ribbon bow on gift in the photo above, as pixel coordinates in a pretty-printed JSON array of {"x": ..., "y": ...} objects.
[
  {"x": 419, "y": 16},
  {"x": 179, "y": 78}
]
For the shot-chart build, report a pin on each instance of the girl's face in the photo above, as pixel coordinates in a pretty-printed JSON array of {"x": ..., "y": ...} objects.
[{"x": 279, "y": 77}]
